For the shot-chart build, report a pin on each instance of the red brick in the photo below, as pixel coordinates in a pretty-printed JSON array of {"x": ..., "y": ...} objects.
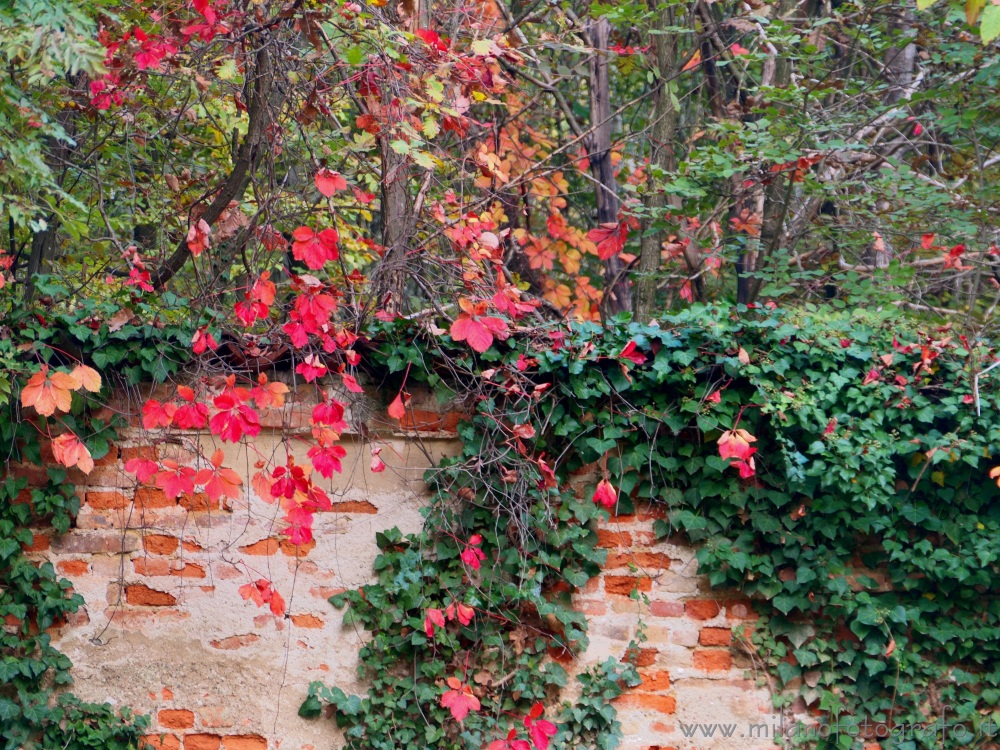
[
  {"x": 244, "y": 742},
  {"x": 640, "y": 559},
  {"x": 702, "y": 609},
  {"x": 607, "y": 538},
  {"x": 191, "y": 570},
  {"x": 666, "y": 609},
  {"x": 263, "y": 547},
  {"x": 155, "y": 566},
  {"x": 590, "y": 608},
  {"x": 307, "y": 621},
  {"x": 192, "y": 547},
  {"x": 715, "y": 637},
  {"x": 108, "y": 458},
  {"x": 664, "y": 704},
  {"x": 152, "y": 497},
  {"x": 159, "y": 544},
  {"x": 644, "y": 657},
  {"x": 740, "y": 609},
  {"x": 421, "y": 420},
  {"x": 325, "y": 592},
  {"x": 176, "y": 718},
  {"x": 197, "y": 502},
  {"x": 202, "y": 741},
  {"x": 301, "y": 550},
  {"x": 624, "y": 585},
  {"x": 144, "y": 596},
  {"x": 106, "y": 500},
  {"x": 712, "y": 661},
  {"x": 355, "y": 506},
  {"x": 162, "y": 741},
  {"x": 654, "y": 682},
  {"x": 39, "y": 542},
  {"x": 139, "y": 451},
  {"x": 234, "y": 642},
  {"x": 73, "y": 567}
]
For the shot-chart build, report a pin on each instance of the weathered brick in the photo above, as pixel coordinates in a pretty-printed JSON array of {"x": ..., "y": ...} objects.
[
  {"x": 152, "y": 497},
  {"x": 197, "y": 502},
  {"x": 202, "y": 742},
  {"x": 108, "y": 458},
  {"x": 163, "y": 741},
  {"x": 641, "y": 559},
  {"x": 151, "y": 566},
  {"x": 93, "y": 543},
  {"x": 712, "y": 661},
  {"x": 664, "y": 704},
  {"x": 592, "y": 609},
  {"x": 190, "y": 570},
  {"x": 307, "y": 621},
  {"x": 175, "y": 718},
  {"x": 715, "y": 636},
  {"x": 292, "y": 550},
  {"x": 264, "y": 547},
  {"x": 106, "y": 500},
  {"x": 608, "y": 538},
  {"x": 644, "y": 657},
  {"x": 654, "y": 682},
  {"x": 244, "y": 742},
  {"x": 142, "y": 595},
  {"x": 355, "y": 506},
  {"x": 159, "y": 544},
  {"x": 234, "y": 642},
  {"x": 421, "y": 420},
  {"x": 666, "y": 609},
  {"x": 740, "y": 609},
  {"x": 73, "y": 567},
  {"x": 214, "y": 717},
  {"x": 702, "y": 609},
  {"x": 39, "y": 542},
  {"x": 624, "y": 585},
  {"x": 148, "y": 452}
]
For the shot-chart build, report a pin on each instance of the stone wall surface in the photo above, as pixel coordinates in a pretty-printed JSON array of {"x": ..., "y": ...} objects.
[{"x": 165, "y": 630}]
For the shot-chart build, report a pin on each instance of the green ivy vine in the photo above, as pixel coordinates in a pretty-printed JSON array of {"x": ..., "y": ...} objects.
[{"x": 867, "y": 536}]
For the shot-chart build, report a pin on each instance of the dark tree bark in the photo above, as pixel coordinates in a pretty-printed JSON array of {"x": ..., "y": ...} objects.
[{"x": 617, "y": 293}]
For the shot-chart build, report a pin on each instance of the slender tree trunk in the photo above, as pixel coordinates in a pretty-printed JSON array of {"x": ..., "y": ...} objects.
[
  {"x": 662, "y": 131},
  {"x": 617, "y": 294}
]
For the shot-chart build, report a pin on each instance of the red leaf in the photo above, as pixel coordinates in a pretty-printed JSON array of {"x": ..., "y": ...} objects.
[
  {"x": 539, "y": 729},
  {"x": 396, "y": 409},
  {"x": 175, "y": 480},
  {"x": 736, "y": 444},
  {"x": 630, "y": 353},
  {"x": 378, "y": 466},
  {"x": 155, "y": 414},
  {"x": 605, "y": 494},
  {"x": 315, "y": 249},
  {"x": 49, "y": 395},
  {"x": 434, "y": 618},
  {"x": 197, "y": 237},
  {"x": 459, "y": 700},
  {"x": 351, "y": 383},
  {"x": 143, "y": 468},
  {"x": 610, "y": 239},
  {"x": 311, "y": 369},
  {"x": 329, "y": 182}
]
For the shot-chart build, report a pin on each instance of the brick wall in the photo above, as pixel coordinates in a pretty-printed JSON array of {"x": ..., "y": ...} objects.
[{"x": 165, "y": 631}]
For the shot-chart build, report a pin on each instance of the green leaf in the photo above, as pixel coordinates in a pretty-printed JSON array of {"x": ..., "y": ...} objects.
[{"x": 989, "y": 25}]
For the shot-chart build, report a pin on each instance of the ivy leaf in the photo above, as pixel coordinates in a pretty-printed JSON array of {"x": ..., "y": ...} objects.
[{"x": 8, "y": 710}]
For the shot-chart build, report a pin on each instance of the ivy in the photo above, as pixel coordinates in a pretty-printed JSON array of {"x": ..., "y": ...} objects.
[{"x": 866, "y": 537}]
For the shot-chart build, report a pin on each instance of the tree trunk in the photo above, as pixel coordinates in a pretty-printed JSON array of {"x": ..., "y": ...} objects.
[
  {"x": 617, "y": 294},
  {"x": 661, "y": 136}
]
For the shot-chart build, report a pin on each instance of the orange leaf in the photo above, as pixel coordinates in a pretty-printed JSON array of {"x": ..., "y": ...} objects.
[
  {"x": 694, "y": 62},
  {"x": 88, "y": 377},
  {"x": 47, "y": 394},
  {"x": 70, "y": 451}
]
